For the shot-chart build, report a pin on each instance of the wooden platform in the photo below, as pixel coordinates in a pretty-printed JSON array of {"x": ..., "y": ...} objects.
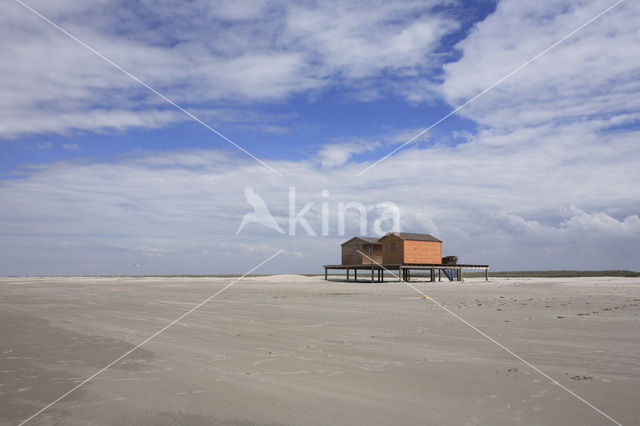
[{"x": 404, "y": 270}]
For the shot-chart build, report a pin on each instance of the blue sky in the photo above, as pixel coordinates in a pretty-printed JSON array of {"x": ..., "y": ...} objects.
[
  {"x": 304, "y": 128},
  {"x": 98, "y": 174}
]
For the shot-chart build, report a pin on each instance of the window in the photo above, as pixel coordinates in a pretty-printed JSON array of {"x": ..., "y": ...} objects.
[
  {"x": 393, "y": 246},
  {"x": 367, "y": 249}
]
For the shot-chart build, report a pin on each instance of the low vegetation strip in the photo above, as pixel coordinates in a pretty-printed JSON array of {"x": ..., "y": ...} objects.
[{"x": 556, "y": 274}]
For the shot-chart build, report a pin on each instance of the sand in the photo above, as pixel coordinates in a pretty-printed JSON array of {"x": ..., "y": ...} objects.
[{"x": 301, "y": 350}]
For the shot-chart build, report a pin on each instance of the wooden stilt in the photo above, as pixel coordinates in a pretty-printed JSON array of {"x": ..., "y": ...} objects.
[{"x": 404, "y": 271}]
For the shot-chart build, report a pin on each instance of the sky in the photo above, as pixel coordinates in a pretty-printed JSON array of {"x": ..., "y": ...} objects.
[{"x": 101, "y": 174}]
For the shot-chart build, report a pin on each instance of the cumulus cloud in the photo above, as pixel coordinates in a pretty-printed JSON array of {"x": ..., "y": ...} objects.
[
  {"x": 205, "y": 56},
  {"x": 177, "y": 211},
  {"x": 360, "y": 39},
  {"x": 576, "y": 80},
  {"x": 339, "y": 152},
  {"x": 332, "y": 155},
  {"x": 549, "y": 179},
  {"x": 70, "y": 147}
]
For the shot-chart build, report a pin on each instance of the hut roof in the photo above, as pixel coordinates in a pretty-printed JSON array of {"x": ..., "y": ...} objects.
[
  {"x": 415, "y": 237},
  {"x": 368, "y": 240}
]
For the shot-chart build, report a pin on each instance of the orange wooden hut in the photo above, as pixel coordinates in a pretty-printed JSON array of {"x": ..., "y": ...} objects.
[
  {"x": 407, "y": 247},
  {"x": 361, "y": 251}
]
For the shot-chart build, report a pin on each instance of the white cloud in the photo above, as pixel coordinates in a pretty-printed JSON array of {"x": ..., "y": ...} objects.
[
  {"x": 592, "y": 73},
  {"x": 338, "y": 154},
  {"x": 542, "y": 184},
  {"x": 361, "y": 39},
  {"x": 512, "y": 208},
  {"x": 204, "y": 55},
  {"x": 70, "y": 147},
  {"x": 581, "y": 221}
]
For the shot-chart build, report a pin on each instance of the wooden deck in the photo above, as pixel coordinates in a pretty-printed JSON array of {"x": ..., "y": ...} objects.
[{"x": 452, "y": 272}]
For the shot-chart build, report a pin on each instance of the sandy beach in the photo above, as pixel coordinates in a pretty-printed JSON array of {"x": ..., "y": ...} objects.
[{"x": 301, "y": 350}]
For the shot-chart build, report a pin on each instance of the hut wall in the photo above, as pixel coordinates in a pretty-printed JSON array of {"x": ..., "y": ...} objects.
[
  {"x": 422, "y": 252},
  {"x": 392, "y": 257},
  {"x": 350, "y": 255}
]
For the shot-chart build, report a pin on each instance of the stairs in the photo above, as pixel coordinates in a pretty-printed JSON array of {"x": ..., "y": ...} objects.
[{"x": 450, "y": 273}]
